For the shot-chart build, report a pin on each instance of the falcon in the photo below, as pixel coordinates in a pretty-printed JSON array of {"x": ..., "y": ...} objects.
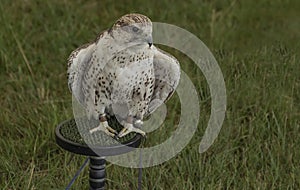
[{"x": 122, "y": 73}]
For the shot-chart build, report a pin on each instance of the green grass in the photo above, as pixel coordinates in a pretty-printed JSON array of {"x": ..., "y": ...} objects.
[{"x": 256, "y": 45}]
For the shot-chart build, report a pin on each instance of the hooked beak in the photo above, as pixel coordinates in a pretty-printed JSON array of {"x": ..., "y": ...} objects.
[{"x": 150, "y": 41}]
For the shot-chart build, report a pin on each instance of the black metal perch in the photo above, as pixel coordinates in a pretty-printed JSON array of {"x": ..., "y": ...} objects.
[{"x": 68, "y": 137}]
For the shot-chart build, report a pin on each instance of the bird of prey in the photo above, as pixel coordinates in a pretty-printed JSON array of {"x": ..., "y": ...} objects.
[{"x": 122, "y": 73}]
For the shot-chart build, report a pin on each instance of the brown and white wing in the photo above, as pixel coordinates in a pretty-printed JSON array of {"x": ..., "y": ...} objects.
[
  {"x": 167, "y": 76},
  {"x": 78, "y": 63}
]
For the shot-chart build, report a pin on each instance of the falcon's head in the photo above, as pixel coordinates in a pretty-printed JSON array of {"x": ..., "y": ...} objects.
[{"x": 132, "y": 29}]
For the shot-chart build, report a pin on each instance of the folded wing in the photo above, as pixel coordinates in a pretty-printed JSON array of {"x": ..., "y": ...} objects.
[
  {"x": 167, "y": 76},
  {"x": 78, "y": 63}
]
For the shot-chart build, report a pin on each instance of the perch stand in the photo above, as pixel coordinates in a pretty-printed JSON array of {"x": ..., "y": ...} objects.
[{"x": 68, "y": 138}]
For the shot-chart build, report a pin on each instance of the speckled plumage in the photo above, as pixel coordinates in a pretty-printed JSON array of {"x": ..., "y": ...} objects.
[{"x": 122, "y": 71}]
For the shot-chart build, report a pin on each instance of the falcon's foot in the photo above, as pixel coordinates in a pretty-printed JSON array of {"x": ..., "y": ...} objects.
[
  {"x": 103, "y": 126},
  {"x": 128, "y": 128}
]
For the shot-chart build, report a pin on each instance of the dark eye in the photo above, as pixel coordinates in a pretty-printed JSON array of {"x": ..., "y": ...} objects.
[{"x": 135, "y": 29}]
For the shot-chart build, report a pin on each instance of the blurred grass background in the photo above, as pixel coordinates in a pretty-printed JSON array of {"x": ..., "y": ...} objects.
[{"x": 255, "y": 43}]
